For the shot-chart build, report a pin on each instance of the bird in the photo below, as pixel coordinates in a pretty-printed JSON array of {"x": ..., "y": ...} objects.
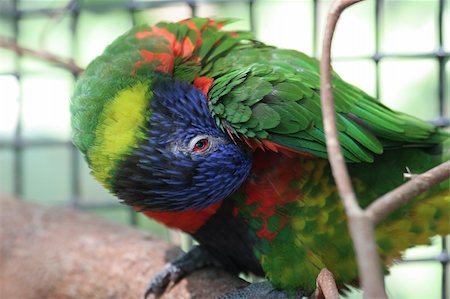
[{"x": 219, "y": 135}]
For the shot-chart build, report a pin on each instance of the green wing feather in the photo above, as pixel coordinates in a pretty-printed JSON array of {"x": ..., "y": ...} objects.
[{"x": 273, "y": 94}]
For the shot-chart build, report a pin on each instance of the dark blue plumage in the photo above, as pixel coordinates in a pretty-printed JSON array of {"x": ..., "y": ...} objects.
[{"x": 168, "y": 172}]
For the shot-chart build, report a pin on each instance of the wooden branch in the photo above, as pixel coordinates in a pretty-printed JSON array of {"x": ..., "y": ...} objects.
[
  {"x": 361, "y": 222},
  {"x": 54, "y": 252},
  {"x": 68, "y": 64}
]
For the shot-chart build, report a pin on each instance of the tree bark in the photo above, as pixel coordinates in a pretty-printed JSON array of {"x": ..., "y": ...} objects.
[{"x": 55, "y": 252}]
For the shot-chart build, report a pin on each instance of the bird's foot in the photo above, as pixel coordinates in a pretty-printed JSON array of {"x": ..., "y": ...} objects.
[
  {"x": 263, "y": 290},
  {"x": 174, "y": 271}
]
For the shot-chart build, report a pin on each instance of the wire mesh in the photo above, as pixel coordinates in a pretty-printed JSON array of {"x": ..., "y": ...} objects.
[{"x": 13, "y": 12}]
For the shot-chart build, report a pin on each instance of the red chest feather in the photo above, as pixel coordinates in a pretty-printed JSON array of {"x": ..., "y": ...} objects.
[
  {"x": 188, "y": 221},
  {"x": 270, "y": 187}
]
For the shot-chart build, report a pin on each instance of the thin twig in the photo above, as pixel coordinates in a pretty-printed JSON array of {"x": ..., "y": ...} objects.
[
  {"x": 326, "y": 286},
  {"x": 360, "y": 227},
  {"x": 68, "y": 64},
  {"x": 336, "y": 158},
  {"x": 399, "y": 196},
  {"x": 55, "y": 17}
]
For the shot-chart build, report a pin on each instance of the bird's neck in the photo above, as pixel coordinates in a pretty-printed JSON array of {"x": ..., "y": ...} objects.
[{"x": 188, "y": 221}]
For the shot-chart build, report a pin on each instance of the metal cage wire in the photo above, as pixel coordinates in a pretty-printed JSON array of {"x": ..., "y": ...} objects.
[{"x": 14, "y": 14}]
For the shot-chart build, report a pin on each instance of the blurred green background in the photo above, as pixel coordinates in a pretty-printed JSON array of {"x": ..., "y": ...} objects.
[{"x": 39, "y": 164}]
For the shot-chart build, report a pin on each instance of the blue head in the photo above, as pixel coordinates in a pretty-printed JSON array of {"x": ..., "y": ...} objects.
[{"x": 186, "y": 161}]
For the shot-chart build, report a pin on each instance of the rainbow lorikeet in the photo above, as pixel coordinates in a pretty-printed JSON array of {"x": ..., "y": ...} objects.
[{"x": 219, "y": 135}]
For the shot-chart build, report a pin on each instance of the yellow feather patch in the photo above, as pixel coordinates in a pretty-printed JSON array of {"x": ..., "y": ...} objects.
[{"x": 119, "y": 130}]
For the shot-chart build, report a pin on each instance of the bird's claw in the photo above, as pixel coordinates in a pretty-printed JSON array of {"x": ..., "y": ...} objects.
[
  {"x": 173, "y": 272},
  {"x": 159, "y": 283}
]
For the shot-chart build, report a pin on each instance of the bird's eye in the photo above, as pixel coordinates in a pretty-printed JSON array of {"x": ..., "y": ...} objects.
[{"x": 201, "y": 145}]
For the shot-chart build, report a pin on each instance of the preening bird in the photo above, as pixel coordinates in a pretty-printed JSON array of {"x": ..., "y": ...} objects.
[{"x": 219, "y": 135}]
